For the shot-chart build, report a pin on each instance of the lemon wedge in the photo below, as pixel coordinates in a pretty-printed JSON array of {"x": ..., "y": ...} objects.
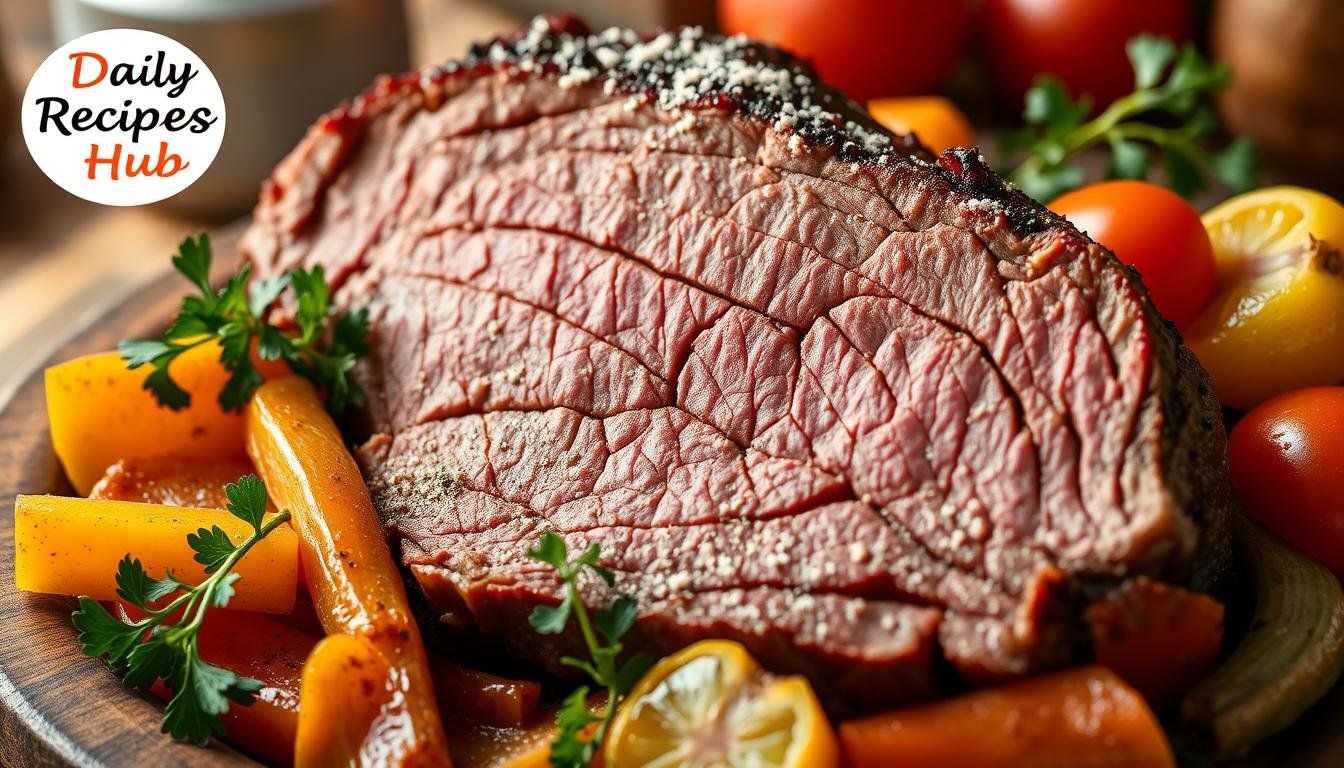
[
  {"x": 1276, "y": 322},
  {"x": 712, "y": 705}
]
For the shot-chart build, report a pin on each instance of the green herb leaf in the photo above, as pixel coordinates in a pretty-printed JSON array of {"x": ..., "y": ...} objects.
[
  {"x": 550, "y": 550},
  {"x": 1236, "y": 166},
  {"x": 149, "y": 661},
  {"x": 247, "y": 500},
  {"x": 1170, "y": 87},
  {"x": 631, "y": 671},
  {"x": 193, "y": 261},
  {"x": 1149, "y": 56},
  {"x": 1129, "y": 160},
  {"x": 616, "y": 619},
  {"x": 155, "y": 648},
  {"x": 573, "y": 747},
  {"x": 102, "y": 635},
  {"x": 550, "y": 620},
  {"x": 324, "y": 349},
  {"x": 570, "y": 749},
  {"x": 212, "y": 547}
]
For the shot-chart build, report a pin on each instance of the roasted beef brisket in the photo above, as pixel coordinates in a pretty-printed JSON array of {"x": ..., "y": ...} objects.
[{"x": 809, "y": 386}]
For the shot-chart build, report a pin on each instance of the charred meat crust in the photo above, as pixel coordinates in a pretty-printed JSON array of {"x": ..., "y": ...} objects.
[{"x": 680, "y": 234}]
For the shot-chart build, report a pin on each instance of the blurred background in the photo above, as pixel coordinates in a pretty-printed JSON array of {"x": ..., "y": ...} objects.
[{"x": 283, "y": 62}]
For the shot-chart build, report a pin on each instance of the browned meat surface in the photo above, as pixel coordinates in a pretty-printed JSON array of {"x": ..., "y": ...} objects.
[{"x": 809, "y": 387}]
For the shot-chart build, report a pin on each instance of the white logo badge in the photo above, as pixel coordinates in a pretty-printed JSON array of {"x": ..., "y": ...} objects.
[{"x": 123, "y": 117}]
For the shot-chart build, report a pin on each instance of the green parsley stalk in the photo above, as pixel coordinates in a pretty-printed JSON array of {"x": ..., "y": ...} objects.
[
  {"x": 1056, "y": 129},
  {"x": 571, "y": 749},
  {"x": 159, "y": 647}
]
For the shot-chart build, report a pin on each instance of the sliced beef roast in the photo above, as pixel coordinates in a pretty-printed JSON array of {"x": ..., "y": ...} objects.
[{"x": 809, "y": 387}]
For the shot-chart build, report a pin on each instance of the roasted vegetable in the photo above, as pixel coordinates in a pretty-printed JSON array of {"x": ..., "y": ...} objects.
[
  {"x": 937, "y": 122},
  {"x": 74, "y": 546},
  {"x": 100, "y": 413},
  {"x": 1289, "y": 658},
  {"x": 351, "y": 576},
  {"x": 1078, "y": 717},
  {"x": 1276, "y": 322},
  {"x": 171, "y": 480},
  {"x": 1159, "y": 638}
]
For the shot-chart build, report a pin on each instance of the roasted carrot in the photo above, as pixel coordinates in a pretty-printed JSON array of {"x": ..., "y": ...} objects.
[
  {"x": 1084, "y": 718},
  {"x": 481, "y": 697},
  {"x": 262, "y": 649},
  {"x": 72, "y": 546},
  {"x": 1159, "y": 638},
  {"x": 171, "y": 480},
  {"x": 350, "y": 572}
]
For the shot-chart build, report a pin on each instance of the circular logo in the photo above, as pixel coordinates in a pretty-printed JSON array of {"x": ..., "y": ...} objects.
[{"x": 123, "y": 117}]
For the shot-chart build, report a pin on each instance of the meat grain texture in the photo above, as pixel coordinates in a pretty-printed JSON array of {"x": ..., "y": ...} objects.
[{"x": 810, "y": 387}]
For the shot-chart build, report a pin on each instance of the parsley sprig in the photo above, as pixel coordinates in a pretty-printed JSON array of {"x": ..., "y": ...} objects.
[
  {"x": 163, "y": 644},
  {"x": 321, "y": 348},
  {"x": 1057, "y": 128},
  {"x": 574, "y": 745}
]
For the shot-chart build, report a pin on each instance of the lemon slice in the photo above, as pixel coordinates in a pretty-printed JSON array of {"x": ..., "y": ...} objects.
[
  {"x": 712, "y": 705},
  {"x": 1276, "y": 322}
]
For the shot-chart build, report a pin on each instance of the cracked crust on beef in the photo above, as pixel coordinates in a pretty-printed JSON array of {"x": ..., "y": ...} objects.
[{"x": 810, "y": 387}]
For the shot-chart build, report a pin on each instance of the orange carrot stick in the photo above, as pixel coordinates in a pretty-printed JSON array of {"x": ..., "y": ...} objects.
[
  {"x": 350, "y": 572},
  {"x": 1083, "y": 717}
]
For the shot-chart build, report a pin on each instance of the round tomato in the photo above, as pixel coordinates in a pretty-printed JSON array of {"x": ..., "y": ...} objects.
[
  {"x": 1152, "y": 229},
  {"x": 866, "y": 48},
  {"x": 1082, "y": 42},
  {"x": 1287, "y": 463}
]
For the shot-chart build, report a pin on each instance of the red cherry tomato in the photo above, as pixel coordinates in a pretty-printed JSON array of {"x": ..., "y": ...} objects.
[
  {"x": 1287, "y": 461},
  {"x": 1080, "y": 41},
  {"x": 866, "y": 48},
  {"x": 1152, "y": 229}
]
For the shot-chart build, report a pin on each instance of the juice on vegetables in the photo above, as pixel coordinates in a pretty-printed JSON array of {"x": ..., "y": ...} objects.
[
  {"x": 351, "y": 576},
  {"x": 1078, "y": 717},
  {"x": 72, "y": 546}
]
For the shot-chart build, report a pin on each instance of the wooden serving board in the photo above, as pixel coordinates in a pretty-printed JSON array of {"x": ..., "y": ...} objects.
[{"x": 58, "y": 708}]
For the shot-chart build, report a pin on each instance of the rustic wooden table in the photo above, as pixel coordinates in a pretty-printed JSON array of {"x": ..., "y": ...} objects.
[{"x": 64, "y": 261}]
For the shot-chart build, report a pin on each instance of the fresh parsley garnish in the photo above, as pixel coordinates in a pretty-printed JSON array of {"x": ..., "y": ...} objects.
[
  {"x": 320, "y": 348},
  {"x": 162, "y": 645},
  {"x": 1170, "y": 115},
  {"x": 574, "y": 745}
]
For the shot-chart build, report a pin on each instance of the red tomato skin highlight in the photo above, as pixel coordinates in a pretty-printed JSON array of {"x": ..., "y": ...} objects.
[
  {"x": 1287, "y": 465},
  {"x": 1082, "y": 42},
  {"x": 1155, "y": 231},
  {"x": 866, "y": 48}
]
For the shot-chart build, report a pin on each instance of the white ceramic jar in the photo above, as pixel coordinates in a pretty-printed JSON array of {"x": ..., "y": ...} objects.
[{"x": 280, "y": 64}]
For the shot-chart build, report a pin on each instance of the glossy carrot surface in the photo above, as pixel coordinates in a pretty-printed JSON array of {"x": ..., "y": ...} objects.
[
  {"x": 351, "y": 575},
  {"x": 1083, "y": 718}
]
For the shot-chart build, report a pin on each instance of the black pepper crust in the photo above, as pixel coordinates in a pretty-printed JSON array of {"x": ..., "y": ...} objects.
[{"x": 817, "y": 113}]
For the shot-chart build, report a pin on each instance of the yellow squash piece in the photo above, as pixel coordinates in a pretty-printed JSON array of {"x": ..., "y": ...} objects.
[
  {"x": 100, "y": 413},
  {"x": 1276, "y": 322},
  {"x": 711, "y": 705},
  {"x": 72, "y": 546}
]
